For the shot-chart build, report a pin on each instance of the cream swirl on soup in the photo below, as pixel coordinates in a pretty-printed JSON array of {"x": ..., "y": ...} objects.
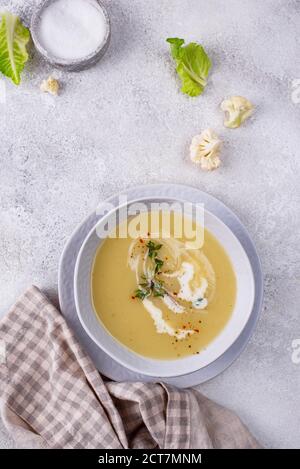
[{"x": 186, "y": 278}]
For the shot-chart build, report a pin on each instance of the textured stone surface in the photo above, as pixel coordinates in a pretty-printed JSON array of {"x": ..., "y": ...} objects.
[{"x": 124, "y": 123}]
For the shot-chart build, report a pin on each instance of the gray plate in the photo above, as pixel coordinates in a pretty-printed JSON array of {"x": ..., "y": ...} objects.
[{"x": 105, "y": 364}]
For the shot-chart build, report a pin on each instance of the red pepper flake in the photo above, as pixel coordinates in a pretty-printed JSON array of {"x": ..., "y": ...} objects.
[
  {"x": 174, "y": 293},
  {"x": 141, "y": 240},
  {"x": 196, "y": 330},
  {"x": 148, "y": 234},
  {"x": 183, "y": 327},
  {"x": 133, "y": 297}
]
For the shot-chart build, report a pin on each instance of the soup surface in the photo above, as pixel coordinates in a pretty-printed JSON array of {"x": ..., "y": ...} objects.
[{"x": 158, "y": 296}]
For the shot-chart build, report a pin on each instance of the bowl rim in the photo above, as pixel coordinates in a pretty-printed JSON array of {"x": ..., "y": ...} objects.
[
  {"x": 72, "y": 64},
  {"x": 119, "y": 358}
]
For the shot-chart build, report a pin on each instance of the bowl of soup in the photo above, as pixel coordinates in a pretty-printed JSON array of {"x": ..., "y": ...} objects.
[{"x": 160, "y": 292}]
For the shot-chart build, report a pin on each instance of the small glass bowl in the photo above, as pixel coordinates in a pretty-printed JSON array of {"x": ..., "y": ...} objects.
[{"x": 70, "y": 65}]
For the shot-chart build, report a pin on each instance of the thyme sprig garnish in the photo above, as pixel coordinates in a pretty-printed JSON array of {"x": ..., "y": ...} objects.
[
  {"x": 153, "y": 249},
  {"x": 152, "y": 285}
]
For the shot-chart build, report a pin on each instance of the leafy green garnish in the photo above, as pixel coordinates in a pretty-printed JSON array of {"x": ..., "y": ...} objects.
[
  {"x": 192, "y": 65},
  {"x": 13, "y": 40},
  {"x": 153, "y": 285},
  {"x": 158, "y": 289},
  {"x": 142, "y": 293},
  {"x": 153, "y": 249},
  {"x": 158, "y": 264}
]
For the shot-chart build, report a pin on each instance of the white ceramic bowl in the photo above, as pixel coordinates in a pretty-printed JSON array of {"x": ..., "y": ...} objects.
[{"x": 165, "y": 368}]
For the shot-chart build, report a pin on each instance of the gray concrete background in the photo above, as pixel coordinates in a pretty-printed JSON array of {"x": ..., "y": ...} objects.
[{"x": 124, "y": 123}]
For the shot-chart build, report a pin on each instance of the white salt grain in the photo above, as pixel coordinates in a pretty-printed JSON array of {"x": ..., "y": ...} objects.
[{"x": 72, "y": 29}]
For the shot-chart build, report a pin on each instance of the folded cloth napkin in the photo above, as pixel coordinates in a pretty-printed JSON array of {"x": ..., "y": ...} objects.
[{"x": 52, "y": 396}]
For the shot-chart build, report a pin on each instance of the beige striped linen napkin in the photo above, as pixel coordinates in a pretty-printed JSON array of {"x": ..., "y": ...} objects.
[{"x": 52, "y": 396}]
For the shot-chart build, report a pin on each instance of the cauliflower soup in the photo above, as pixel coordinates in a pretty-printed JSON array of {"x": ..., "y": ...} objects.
[{"x": 160, "y": 297}]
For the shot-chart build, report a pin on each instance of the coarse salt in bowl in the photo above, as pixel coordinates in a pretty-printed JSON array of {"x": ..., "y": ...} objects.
[{"x": 73, "y": 34}]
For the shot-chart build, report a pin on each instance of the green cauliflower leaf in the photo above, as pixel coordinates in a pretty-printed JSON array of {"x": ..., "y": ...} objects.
[
  {"x": 192, "y": 65},
  {"x": 13, "y": 40}
]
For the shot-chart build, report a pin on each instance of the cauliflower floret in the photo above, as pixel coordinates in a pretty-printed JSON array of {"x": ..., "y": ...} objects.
[
  {"x": 204, "y": 150},
  {"x": 51, "y": 85},
  {"x": 237, "y": 109}
]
